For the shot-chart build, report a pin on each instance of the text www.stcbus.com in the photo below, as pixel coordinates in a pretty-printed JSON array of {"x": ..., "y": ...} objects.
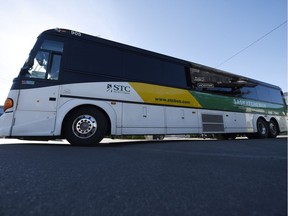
[{"x": 170, "y": 100}]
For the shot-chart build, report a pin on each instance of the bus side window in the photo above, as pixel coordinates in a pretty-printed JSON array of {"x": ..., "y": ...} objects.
[{"x": 55, "y": 67}]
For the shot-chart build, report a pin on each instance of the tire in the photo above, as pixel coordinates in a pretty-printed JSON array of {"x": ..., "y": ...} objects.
[
  {"x": 262, "y": 129},
  {"x": 85, "y": 126},
  {"x": 273, "y": 129}
]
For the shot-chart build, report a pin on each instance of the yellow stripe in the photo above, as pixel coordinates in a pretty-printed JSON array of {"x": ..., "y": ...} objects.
[{"x": 165, "y": 95}]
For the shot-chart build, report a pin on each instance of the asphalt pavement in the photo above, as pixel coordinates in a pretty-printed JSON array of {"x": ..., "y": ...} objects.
[{"x": 194, "y": 177}]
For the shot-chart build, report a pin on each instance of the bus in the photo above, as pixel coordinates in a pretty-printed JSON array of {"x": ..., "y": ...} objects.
[{"x": 82, "y": 88}]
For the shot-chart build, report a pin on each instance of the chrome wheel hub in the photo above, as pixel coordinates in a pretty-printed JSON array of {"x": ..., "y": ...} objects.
[{"x": 84, "y": 126}]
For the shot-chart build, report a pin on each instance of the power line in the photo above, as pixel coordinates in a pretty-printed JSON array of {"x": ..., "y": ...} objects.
[{"x": 252, "y": 44}]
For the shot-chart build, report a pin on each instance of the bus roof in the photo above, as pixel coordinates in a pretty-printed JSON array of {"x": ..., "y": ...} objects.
[{"x": 82, "y": 36}]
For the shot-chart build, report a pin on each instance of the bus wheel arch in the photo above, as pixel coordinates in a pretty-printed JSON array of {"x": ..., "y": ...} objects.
[
  {"x": 85, "y": 125},
  {"x": 273, "y": 127}
]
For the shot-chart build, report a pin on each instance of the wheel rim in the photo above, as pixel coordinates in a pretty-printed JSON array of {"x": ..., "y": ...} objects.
[
  {"x": 262, "y": 128},
  {"x": 84, "y": 126}
]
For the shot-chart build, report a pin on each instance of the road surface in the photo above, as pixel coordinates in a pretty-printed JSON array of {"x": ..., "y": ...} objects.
[{"x": 194, "y": 177}]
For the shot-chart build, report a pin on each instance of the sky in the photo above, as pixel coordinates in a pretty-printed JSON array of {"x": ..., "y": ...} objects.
[{"x": 202, "y": 31}]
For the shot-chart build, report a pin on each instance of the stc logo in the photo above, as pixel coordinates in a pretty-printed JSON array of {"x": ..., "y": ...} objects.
[{"x": 115, "y": 88}]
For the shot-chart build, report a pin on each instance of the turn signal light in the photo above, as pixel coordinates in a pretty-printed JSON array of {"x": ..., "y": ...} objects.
[{"x": 8, "y": 104}]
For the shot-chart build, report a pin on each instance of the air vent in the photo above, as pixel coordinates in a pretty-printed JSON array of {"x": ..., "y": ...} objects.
[{"x": 212, "y": 123}]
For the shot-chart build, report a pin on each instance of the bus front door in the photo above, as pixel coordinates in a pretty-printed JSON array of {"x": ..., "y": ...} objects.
[{"x": 35, "y": 112}]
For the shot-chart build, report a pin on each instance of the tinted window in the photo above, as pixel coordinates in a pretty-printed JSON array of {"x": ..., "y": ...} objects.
[
  {"x": 144, "y": 68},
  {"x": 276, "y": 96},
  {"x": 140, "y": 67},
  {"x": 94, "y": 58},
  {"x": 52, "y": 45},
  {"x": 263, "y": 93},
  {"x": 174, "y": 74},
  {"x": 269, "y": 94},
  {"x": 249, "y": 92}
]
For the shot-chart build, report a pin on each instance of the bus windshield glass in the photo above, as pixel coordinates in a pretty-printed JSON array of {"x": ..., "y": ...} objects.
[{"x": 39, "y": 67}]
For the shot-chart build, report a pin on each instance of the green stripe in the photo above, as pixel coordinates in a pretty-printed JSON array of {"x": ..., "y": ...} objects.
[{"x": 219, "y": 102}]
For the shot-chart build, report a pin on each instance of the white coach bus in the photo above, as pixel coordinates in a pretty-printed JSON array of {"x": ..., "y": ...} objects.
[{"x": 81, "y": 88}]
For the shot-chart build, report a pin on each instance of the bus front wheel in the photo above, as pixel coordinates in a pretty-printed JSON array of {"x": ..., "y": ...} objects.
[{"x": 85, "y": 126}]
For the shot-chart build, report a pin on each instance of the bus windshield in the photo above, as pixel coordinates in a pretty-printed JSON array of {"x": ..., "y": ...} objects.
[
  {"x": 46, "y": 63},
  {"x": 39, "y": 65}
]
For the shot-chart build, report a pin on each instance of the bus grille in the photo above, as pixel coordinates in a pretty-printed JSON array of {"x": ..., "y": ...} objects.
[{"x": 212, "y": 123}]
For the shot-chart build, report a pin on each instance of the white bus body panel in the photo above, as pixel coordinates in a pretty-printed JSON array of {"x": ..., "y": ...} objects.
[
  {"x": 143, "y": 119},
  {"x": 6, "y": 121},
  {"x": 238, "y": 122},
  {"x": 182, "y": 120},
  {"x": 35, "y": 112},
  {"x": 33, "y": 123},
  {"x": 283, "y": 123}
]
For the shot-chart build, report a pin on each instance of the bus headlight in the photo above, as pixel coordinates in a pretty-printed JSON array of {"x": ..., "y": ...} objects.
[{"x": 8, "y": 104}]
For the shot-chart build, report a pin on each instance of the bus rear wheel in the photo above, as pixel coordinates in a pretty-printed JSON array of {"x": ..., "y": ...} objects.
[
  {"x": 85, "y": 126},
  {"x": 273, "y": 129},
  {"x": 262, "y": 128}
]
